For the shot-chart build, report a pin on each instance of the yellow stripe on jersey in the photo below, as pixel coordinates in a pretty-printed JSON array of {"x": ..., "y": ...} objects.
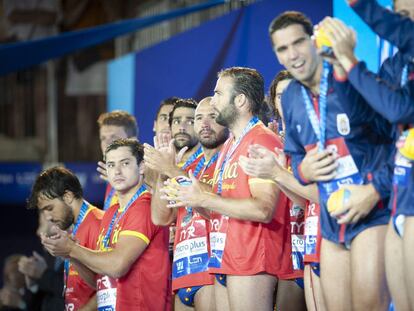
[
  {"x": 135, "y": 234},
  {"x": 261, "y": 181}
]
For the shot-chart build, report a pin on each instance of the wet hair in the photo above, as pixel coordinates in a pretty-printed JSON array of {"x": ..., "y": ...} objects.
[
  {"x": 182, "y": 103},
  {"x": 122, "y": 119},
  {"x": 54, "y": 183},
  {"x": 289, "y": 18},
  {"x": 136, "y": 148},
  {"x": 281, "y": 76},
  {"x": 249, "y": 82}
]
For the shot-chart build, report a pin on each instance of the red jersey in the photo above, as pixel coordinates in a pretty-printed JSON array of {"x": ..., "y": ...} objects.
[
  {"x": 78, "y": 293},
  {"x": 145, "y": 286},
  {"x": 248, "y": 247},
  {"x": 191, "y": 245}
]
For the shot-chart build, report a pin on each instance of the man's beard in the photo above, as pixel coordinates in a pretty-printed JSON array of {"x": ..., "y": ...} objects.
[
  {"x": 228, "y": 115},
  {"x": 68, "y": 218},
  {"x": 215, "y": 140},
  {"x": 190, "y": 142}
]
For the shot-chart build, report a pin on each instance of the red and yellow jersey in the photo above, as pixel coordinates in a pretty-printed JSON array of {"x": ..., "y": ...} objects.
[
  {"x": 248, "y": 247},
  {"x": 78, "y": 293},
  {"x": 146, "y": 285}
]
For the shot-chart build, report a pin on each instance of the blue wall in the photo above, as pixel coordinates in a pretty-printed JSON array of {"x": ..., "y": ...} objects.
[{"x": 187, "y": 64}]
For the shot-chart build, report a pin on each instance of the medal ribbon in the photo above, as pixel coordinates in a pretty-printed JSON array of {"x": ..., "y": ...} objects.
[
  {"x": 252, "y": 123},
  {"x": 319, "y": 125}
]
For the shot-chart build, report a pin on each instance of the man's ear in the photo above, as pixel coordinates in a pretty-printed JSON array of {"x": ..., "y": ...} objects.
[
  {"x": 68, "y": 197},
  {"x": 240, "y": 101},
  {"x": 141, "y": 167}
]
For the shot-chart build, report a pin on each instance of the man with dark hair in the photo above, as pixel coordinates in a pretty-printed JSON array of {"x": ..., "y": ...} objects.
[
  {"x": 250, "y": 236},
  {"x": 58, "y": 195},
  {"x": 162, "y": 120},
  {"x": 391, "y": 94},
  {"x": 182, "y": 124},
  {"x": 289, "y": 18},
  {"x": 349, "y": 141},
  {"x": 131, "y": 256},
  {"x": 114, "y": 125},
  {"x": 191, "y": 279},
  {"x": 305, "y": 233}
]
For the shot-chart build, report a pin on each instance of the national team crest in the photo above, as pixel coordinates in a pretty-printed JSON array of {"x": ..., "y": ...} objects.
[{"x": 342, "y": 124}]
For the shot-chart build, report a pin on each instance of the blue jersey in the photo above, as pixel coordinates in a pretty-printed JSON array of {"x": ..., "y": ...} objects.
[
  {"x": 362, "y": 139},
  {"x": 393, "y": 94}
]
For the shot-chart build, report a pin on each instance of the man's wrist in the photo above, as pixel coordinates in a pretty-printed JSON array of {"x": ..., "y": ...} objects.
[
  {"x": 73, "y": 250},
  {"x": 348, "y": 62}
]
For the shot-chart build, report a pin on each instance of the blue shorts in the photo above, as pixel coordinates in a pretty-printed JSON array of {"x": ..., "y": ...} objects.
[
  {"x": 398, "y": 223},
  {"x": 222, "y": 279},
  {"x": 316, "y": 268},
  {"x": 300, "y": 283},
  {"x": 187, "y": 295},
  {"x": 344, "y": 234},
  {"x": 402, "y": 196}
]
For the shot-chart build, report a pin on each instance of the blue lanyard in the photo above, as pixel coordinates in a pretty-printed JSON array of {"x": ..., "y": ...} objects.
[
  {"x": 319, "y": 126},
  {"x": 205, "y": 167},
  {"x": 252, "y": 123},
  {"x": 82, "y": 214},
  {"x": 404, "y": 76},
  {"x": 107, "y": 203},
  {"x": 116, "y": 219},
  {"x": 193, "y": 157}
]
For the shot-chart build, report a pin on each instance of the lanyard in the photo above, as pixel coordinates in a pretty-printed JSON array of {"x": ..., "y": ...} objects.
[
  {"x": 115, "y": 219},
  {"x": 319, "y": 126},
  {"x": 404, "y": 76},
  {"x": 205, "y": 167},
  {"x": 108, "y": 200},
  {"x": 193, "y": 157},
  {"x": 82, "y": 214},
  {"x": 252, "y": 123}
]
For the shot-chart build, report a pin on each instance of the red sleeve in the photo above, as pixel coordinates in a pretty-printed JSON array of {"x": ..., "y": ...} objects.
[{"x": 138, "y": 221}]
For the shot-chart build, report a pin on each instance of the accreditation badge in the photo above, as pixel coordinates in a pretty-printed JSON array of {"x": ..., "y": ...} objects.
[
  {"x": 347, "y": 172},
  {"x": 218, "y": 234},
  {"x": 191, "y": 245},
  {"x": 106, "y": 293}
]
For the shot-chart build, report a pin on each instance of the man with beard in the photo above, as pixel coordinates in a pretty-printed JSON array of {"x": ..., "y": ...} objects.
[
  {"x": 57, "y": 194},
  {"x": 250, "y": 238},
  {"x": 191, "y": 280},
  {"x": 131, "y": 257},
  {"x": 346, "y": 143}
]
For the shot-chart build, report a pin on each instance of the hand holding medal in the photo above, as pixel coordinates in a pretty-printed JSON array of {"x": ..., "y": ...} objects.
[{"x": 405, "y": 144}]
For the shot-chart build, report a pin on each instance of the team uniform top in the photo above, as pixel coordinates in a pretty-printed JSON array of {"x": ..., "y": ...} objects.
[
  {"x": 145, "y": 286},
  {"x": 253, "y": 247},
  {"x": 78, "y": 293},
  {"x": 360, "y": 136}
]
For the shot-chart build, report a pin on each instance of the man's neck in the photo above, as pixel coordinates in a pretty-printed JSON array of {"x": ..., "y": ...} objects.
[
  {"x": 209, "y": 153},
  {"x": 125, "y": 197},
  {"x": 76, "y": 207},
  {"x": 189, "y": 152},
  {"x": 314, "y": 81},
  {"x": 240, "y": 124}
]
